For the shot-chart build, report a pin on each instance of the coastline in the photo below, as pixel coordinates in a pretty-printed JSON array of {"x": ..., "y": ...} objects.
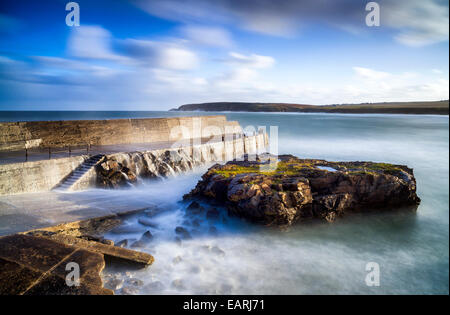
[{"x": 410, "y": 108}]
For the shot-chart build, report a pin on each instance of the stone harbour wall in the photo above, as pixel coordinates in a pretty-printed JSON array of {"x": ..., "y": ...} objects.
[
  {"x": 46, "y": 175},
  {"x": 15, "y": 136},
  {"x": 28, "y": 177}
]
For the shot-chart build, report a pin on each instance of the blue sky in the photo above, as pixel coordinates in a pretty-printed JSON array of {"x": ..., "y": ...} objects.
[{"x": 159, "y": 54}]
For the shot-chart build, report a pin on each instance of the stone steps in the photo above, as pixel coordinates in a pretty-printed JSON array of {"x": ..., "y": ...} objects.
[{"x": 79, "y": 172}]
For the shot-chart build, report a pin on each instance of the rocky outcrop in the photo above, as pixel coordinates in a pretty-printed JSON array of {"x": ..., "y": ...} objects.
[
  {"x": 112, "y": 174},
  {"x": 124, "y": 169},
  {"x": 292, "y": 189}
]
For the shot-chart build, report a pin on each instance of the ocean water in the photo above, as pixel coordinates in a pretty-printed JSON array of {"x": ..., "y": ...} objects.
[{"x": 411, "y": 248}]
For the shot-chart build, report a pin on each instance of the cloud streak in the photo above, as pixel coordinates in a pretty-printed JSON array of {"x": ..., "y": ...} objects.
[{"x": 414, "y": 22}]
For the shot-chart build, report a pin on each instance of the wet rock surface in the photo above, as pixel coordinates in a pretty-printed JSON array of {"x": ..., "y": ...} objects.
[
  {"x": 34, "y": 263},
  {"x": 112, "y": 174},
  {"x": 31, "y": 265},
  {"x": 123, "y": 169},
  {"x": 292, "y": 189},
  {"x": 183, "y": 233}
]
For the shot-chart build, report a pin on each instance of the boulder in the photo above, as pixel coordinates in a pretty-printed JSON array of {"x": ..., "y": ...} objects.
[
  {"x": 112, "y": 174},
  {"x": 285, "y": 190}
]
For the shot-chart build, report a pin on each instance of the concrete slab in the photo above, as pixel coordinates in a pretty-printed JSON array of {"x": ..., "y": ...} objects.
[{"x": 36, "y": 264}]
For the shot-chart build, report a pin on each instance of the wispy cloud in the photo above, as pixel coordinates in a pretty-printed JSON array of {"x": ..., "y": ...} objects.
[
  {"x": 208, "y": 35},
  {"x": 370, "y": 74},
  {"x": 252, "y": 61},
  {"x": 414, "y": 22},
  {"x": 91, "y": 42}
]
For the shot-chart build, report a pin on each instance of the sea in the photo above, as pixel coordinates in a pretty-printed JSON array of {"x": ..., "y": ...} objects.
[{"x": 410, "y": 250}]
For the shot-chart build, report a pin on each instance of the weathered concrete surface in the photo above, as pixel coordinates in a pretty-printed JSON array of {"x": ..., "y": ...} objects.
[
  {"x": 37, "y": 176},
  {"x": 58, "y": 134},
  {"x": 109, "y": 250},
  {"x": 34, "y": 262},
  {"x": 37, "y": 266}
]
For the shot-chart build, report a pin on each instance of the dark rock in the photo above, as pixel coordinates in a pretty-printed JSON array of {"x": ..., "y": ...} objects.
[
  {"x": 129, "y": 291},
  {"x": 296, "y": 189},
  {"x": 138, "y": 244},
  {"x": 122, "y": 243},
  {"x": 147, "y": 236},
  {"x": 114, "y": 284},
  {"x": 178, "y": 240},
  {"x": 127, "y": 229},
  {"x": 135, "y": 282},
  {"x": 182, "y": 233},
  {"x": 193, "y": 205},
  {"x": 213, "y": 230},
  {"x": 212, "y": 214},
  {"x": 153, "y": 212},
  {"x": 194, "y": 208},
  {"x": 147, "y": 222}
]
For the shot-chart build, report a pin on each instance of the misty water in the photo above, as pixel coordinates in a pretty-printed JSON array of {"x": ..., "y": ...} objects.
[{"x": 411, "y": 248}]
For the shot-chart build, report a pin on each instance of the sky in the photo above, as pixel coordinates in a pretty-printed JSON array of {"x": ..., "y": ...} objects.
[{"x": 160, "y": 54}]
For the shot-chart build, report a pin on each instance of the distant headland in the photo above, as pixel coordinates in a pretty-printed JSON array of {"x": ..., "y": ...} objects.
[{"x": 436, "y": 107}]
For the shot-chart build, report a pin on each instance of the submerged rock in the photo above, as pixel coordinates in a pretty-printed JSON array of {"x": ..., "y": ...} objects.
[
  {"x": 147, "y": 222},
  {"x": 178, "y": 284},
  {"x": 114, "y": 284},
  {"x": 291, "y": 189},
  {"x": 129, "y": 291},
  {"x": 154, "y": 287},
  {"x": 213, "y": 230},
  {"x": 127, "y": 229},
  {"x": 147, "y": 236},
  {"x": 212, "y": 214},
  {"x": 122, "y": 243},
  {"x": 194, "y": 208},
  {"x": 135, "y": 282},
  {"x": 182, "y": 233},
  {"x": 138, "y": 244},
  {"x": 217, "y": 251},
  {"x": 153, "y": 211},
  {"x": 178, "y": 240}
]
